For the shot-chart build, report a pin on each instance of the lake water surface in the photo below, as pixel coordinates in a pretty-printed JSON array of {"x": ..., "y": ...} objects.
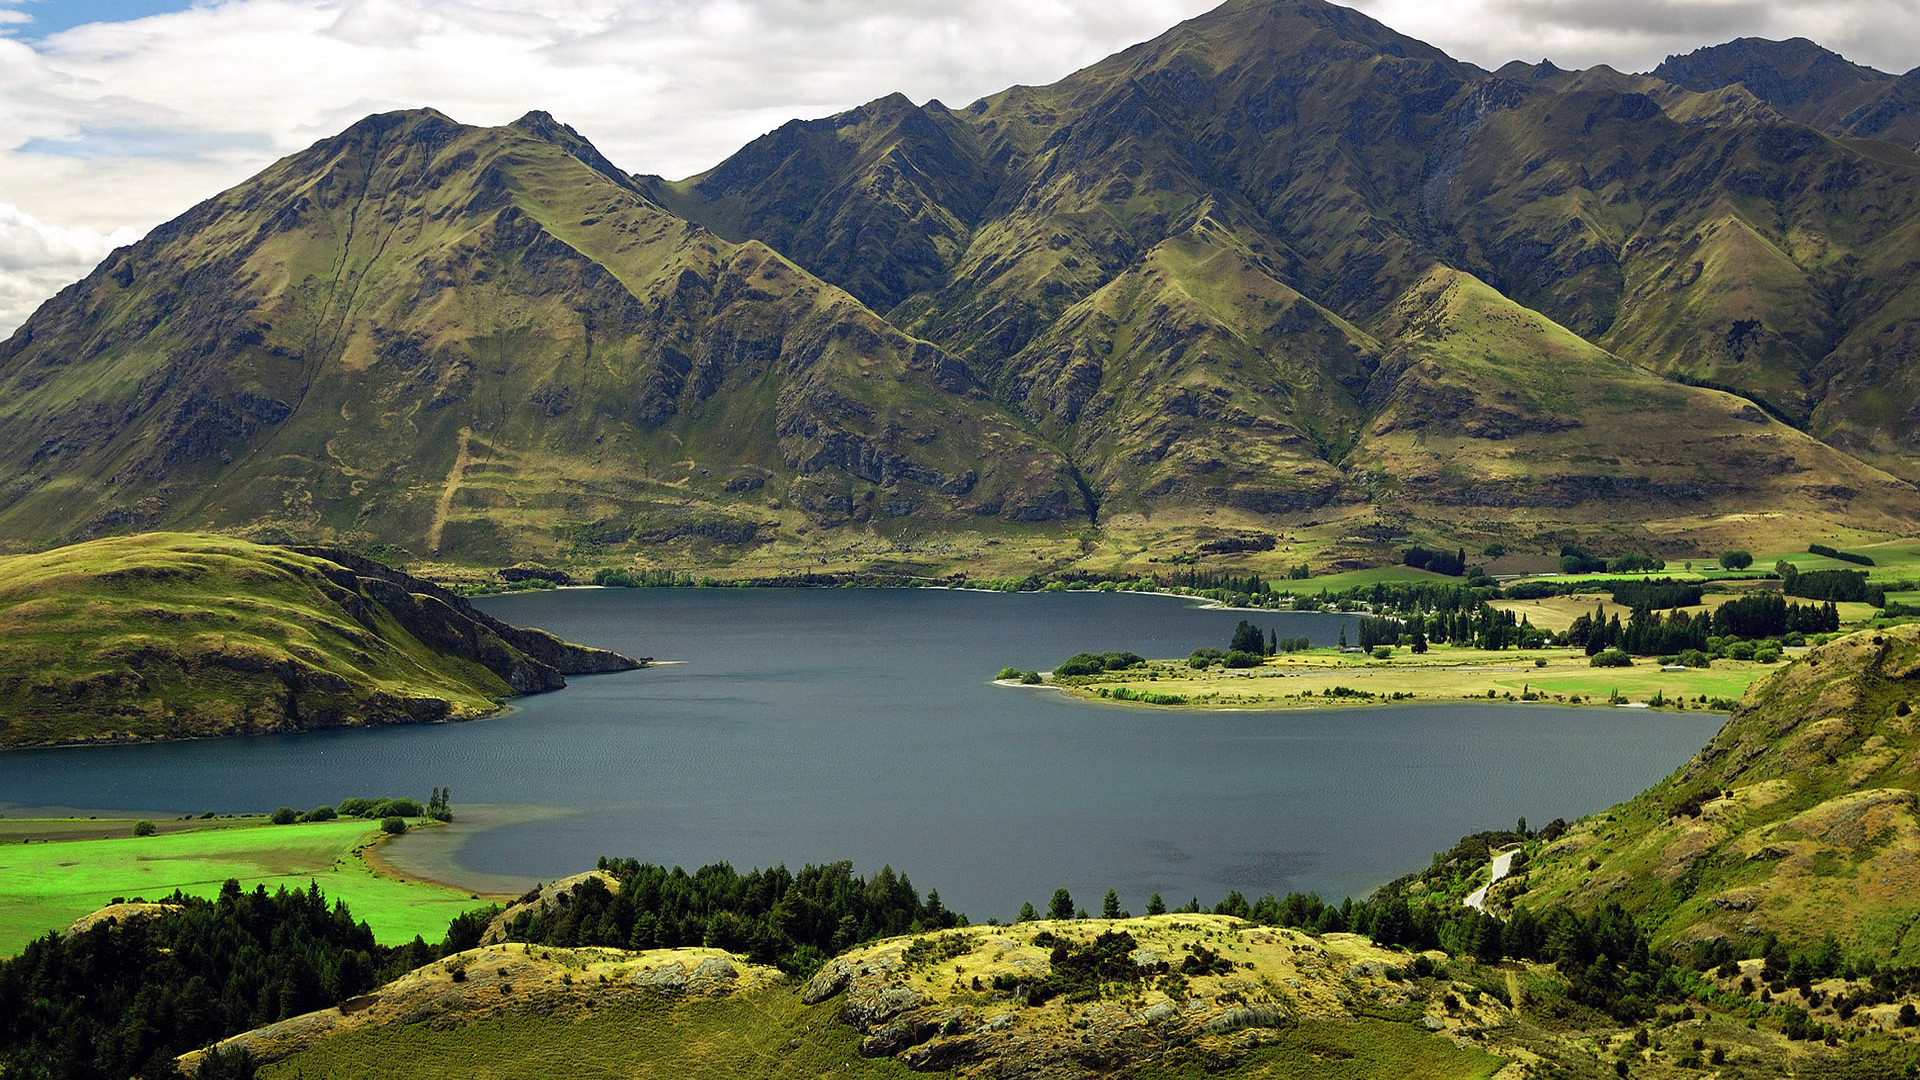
[{"x": 818, "y": 725}]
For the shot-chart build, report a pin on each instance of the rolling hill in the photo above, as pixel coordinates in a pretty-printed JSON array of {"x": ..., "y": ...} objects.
[
  {"x": 1798, "y": 818},
  {"x": 168, "y": 636}
]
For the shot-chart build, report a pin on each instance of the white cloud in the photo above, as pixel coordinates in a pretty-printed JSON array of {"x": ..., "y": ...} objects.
[
  {"x": 36, "y": 259},
  {"x": 122, "y": 125},
  {"x": 1635, "y": 35}
]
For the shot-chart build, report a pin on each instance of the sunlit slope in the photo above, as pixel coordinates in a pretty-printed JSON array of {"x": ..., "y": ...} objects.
[
  {"x": 482, "y": 341},
  {"x": 1485, "y": 403},
  {"x": 175, "y": 635},
  {"x": 1700, "y": 235},
  {"x": 1801, "y": 817}
]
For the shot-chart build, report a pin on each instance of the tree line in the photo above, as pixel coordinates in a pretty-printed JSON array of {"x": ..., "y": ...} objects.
[
  {"x": 795, "y": 921},
  {"x": 123, "y": 998}
]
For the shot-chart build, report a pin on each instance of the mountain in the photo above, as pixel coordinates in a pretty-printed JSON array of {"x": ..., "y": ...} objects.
[
  {"x": 482, "y": 341},
  {"x": 1281, "y": 268},
  {"x": 1807, "y": 83},
  {"x": 177, "y": 636},
  {"x": 1234, "y": 237},
  {"x": 1801, "y": 817}
]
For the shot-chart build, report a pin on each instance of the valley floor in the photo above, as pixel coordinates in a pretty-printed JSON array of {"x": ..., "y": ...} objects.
[{"x": 56, "y": 870}]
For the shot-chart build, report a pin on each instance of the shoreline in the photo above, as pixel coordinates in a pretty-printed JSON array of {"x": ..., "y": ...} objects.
[{"x": 431, "y": 855}]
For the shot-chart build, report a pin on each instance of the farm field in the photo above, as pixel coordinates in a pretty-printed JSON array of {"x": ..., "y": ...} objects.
[
  {"x": 45, "y": 884},
  {"x": 1323, "y": 677}
]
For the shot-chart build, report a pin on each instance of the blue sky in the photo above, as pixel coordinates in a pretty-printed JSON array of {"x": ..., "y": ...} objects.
[
  {"x": 121, "y": 114},
  {"x": 53, "y": 16}
]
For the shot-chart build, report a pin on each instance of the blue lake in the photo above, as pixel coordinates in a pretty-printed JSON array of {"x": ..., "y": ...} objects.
[{"x": 819, "y": 725}]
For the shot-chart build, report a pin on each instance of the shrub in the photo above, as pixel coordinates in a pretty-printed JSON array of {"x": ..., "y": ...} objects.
[
  {"x": 1844, "y": 556},
  {"x": 1736, "y": 559},
  {"x": 1008, "y": 673},
  {"x": 393, "y": 825},
  {"x": 1610, "y": 658},
  {"x": 286, "y": 815},
  {"x": 1766, "y": 654},
  {"x": 1539, "y": 661},
  {"x": 320, "y": 813},
  {"x": 355, "y": 807},
  {"x": 1237, "y": 659},
  {"x": 1695, "y": 658},
  {"x": 1381, "y": 652},
  {"x": 1031, "y": 678},
  {"x": 1637, "y": 562},
  {"x": 145, "y": 828}
]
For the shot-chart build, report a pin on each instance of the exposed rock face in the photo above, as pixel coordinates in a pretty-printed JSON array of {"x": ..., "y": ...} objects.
[
  {"x": 530, "y": 660},
  {"x": 988, "y": 1001}
]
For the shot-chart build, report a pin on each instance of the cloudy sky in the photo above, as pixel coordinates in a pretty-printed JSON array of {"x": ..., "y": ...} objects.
[{"x": 122, "y": 113}]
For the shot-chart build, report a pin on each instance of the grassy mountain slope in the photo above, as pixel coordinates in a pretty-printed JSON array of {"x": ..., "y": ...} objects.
[
  {"x": 1276, "y": 264},
  {"x": 483, "y": 341},
  {"x": 1485, "y": 403},
  {"x": 1801, "y": 817},
  {"x": 177, "y": 636},
  {"x": 1710, "y": 242},
  {"x": 1702, "y": 236}
]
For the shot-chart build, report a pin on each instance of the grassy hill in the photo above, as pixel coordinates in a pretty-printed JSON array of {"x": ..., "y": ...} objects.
[
  {"x": 175, "y": 635},
  {"x": 1798, "y": 818}
]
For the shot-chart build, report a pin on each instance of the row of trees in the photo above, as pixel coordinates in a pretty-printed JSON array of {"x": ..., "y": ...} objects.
[
  {"x": 1648, "y": 633},
  {"x": 774, "y": 916}
]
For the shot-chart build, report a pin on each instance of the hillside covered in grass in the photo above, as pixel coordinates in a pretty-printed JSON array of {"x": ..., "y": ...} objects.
[
  {"x": 1279, "y": 269},
  {"x": 171, "y": 635},
  {"x": 1801, "y": 818}
]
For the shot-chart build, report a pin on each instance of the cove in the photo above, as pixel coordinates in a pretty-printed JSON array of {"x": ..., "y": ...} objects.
[{"x": 817, "y": 725}]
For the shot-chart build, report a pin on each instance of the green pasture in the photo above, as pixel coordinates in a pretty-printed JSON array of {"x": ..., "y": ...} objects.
[{"x": 47, "y": 884}]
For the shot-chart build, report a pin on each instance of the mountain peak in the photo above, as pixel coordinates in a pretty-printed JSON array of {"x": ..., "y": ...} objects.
[
  {"x": 1782, "y": 73},
  {"x": 540, "y": 124}
]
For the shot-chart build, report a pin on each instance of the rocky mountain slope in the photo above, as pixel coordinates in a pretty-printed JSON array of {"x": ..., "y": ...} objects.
[
  {"x": 1809, "y": 84},
  {"x": 179, "y": 636},
  {"x": 1279, "y": 267},
  {"x": 1801, "y": 817}
]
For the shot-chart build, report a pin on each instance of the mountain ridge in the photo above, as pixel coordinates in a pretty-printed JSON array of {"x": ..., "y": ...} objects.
[{"x": 1281, "y": 264}]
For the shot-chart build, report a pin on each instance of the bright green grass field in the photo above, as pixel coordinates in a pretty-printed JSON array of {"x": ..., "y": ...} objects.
[{"x": 45, "y": 886}]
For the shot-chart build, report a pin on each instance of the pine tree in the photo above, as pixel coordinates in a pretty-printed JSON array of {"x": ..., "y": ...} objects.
[
  {"x": 1110, "y": 907},
  {"x": 1061, "y": 906}
]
